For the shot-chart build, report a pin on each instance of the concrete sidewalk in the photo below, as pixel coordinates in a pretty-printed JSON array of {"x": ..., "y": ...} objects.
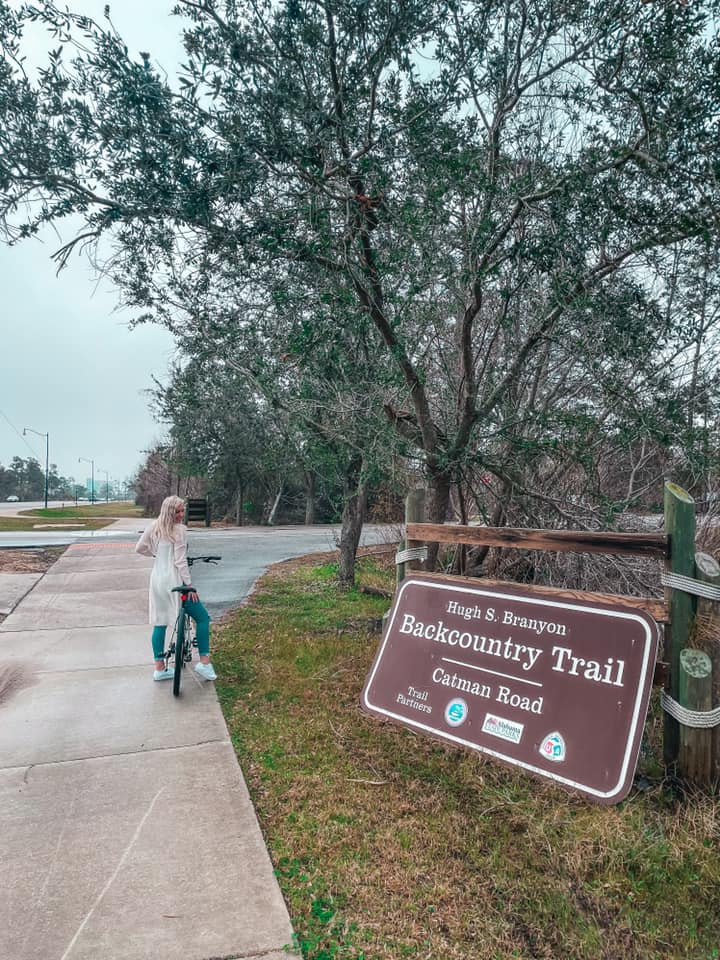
[
  {"x": 13, "y": 587},
  {"x": 126, "y": 831}
]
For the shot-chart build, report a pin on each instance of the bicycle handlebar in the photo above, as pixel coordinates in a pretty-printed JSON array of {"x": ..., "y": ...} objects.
[{"x": 191, "y": 561}]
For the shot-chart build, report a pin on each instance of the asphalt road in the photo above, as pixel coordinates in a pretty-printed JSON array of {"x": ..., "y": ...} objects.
[
  {"x": 16, "y": 505},
  {"x": 57, "y": 538},
  {"x": 48, "y": 538},
  {"x": 246, "y": 551}
]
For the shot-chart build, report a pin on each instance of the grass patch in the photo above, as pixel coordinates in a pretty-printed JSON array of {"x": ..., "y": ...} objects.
[
  {"x": 390, "y": 845},
  {"x": 90, "y": 511},
  {"x": 90, "y": 517},
  {"x": 10, "y": 524}
]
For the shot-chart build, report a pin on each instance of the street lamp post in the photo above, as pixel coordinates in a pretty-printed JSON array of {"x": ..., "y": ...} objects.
[
  {"x": 47, "y": 455},
  {"x": 107, "y": 484},
  {"x": 92, "y": 476}
]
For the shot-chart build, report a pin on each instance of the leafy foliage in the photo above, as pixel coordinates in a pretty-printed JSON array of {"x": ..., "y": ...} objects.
[
  {"x": 26, "y": 479},
  {"x": 480, "y": 225}
]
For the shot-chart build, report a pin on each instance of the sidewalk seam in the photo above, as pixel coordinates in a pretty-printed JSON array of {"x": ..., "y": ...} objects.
[
  {"x": 110, "y": 756},
  {"x": 89, "y": 626},
  {"x": 118, "y": 666}
]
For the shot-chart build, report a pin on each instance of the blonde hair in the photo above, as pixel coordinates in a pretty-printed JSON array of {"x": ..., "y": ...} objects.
[{"x": 165, "y": 523}]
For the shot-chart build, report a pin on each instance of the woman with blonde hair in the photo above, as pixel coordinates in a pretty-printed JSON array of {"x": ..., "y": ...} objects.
[{"x": 166, "y": 540}]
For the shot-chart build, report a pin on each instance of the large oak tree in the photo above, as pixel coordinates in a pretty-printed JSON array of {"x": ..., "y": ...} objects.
[{"x": 496, "y": 188}]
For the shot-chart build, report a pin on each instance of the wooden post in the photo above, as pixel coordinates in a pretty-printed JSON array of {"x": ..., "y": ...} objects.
[
  {"x": 414, "y": 513},
  {"x": 400, "y": 567},
  {"x": 707, "y": 638},
  {"x": 695, "y": 693},
  {"x": 680, "y": 528}
]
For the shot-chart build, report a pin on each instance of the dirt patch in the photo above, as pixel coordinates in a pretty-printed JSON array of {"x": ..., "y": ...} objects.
[
  {"x": 11, "y": 679},
  {"x": 29, "y": 561}
]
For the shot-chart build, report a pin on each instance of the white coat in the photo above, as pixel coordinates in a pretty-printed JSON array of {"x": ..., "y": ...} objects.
[{"x": 169, "y": 570}]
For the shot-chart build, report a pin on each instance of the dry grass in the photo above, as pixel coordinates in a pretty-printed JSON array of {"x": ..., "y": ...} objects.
[
  {"x": 390, "y": 845},
  {"x": 89, "y": 517},
  {"x": 112, "y": 508},
  {"x": 13, "y": 524}
]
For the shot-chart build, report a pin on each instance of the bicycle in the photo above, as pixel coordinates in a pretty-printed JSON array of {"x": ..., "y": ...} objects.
[{"x": 183, "y": 638}]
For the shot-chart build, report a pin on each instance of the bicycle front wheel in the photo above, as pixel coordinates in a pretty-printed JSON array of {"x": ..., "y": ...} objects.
[{"x": 179, "y": 654}]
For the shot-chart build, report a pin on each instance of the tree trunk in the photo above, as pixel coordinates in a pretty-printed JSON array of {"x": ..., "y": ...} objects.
[
  {"x": 352, "y": 524},
  {"x": 274, "y": 510},
  {"x": 436, "y": 509},
  {"x": 309, "y": 498},
  {"x": 461, "y": 550},
  {"x": 238, "y": 505},
  {"x": 356, "y": 498}
]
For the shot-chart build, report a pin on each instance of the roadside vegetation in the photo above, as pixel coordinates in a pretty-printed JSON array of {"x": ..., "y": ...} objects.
[
  {"x": 112, "y": 509},
  {"x": 90, "y": 517},
  {"x": 389, "y": 845},
  {"x": 11, "y": 524}
]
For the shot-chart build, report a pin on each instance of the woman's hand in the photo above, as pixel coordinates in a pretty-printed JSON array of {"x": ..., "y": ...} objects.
[{"x": 193, "y": 595}]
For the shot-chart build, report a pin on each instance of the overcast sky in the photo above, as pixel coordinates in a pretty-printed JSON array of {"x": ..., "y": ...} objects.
[{"x": 69, "y": 365}]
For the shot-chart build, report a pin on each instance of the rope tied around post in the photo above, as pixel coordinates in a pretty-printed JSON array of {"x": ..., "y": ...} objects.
[
  {"x": 412, "y": 553},
  {"x": 695, "y": 676},
  {"x": 689, "y": 585},
  {"x": 699, "y": 719}
]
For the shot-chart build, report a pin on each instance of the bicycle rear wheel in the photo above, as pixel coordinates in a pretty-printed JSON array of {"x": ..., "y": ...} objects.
[{"x": 179, "y": 654}]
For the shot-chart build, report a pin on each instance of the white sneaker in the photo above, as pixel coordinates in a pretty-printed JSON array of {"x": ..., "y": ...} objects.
[
  {"x": 167, "y": 674},
  {"x": 206, "y": 671}
]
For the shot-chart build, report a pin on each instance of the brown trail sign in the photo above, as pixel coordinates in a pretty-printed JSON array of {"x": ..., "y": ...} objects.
[
  {"x": 555, "y": 681},
  {"x": 559, "y": 687}
]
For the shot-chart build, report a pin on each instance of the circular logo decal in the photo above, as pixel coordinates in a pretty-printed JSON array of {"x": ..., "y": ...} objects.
[
  {"x": 553, "y": 747},
  {"x": 456, "y": 712}
]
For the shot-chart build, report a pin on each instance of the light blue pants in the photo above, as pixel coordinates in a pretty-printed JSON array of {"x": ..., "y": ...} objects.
[{"x": 202, "y": 622}]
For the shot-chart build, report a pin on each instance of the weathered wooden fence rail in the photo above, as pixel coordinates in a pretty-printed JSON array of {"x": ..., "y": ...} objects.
[{"x": 557, "y": 541}]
